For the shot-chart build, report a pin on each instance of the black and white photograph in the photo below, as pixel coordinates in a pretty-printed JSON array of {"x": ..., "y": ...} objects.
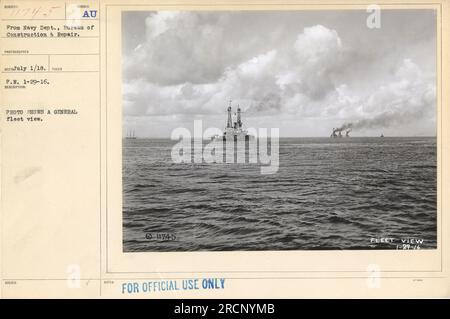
[{"x": 279, "y": 130}]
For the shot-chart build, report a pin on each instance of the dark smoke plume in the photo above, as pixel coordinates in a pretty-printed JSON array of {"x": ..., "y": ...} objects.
[{"x": 384, "y": 120}]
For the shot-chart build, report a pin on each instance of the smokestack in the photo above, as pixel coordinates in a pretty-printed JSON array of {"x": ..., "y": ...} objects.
[
  {"x": 230, "y": 121},
  {"x": 347, "y": 132},
  {"x": 334, "y": 132}
]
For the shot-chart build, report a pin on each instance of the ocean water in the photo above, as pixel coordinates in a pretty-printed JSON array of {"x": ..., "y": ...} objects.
[{"x": 349, "y": 193}]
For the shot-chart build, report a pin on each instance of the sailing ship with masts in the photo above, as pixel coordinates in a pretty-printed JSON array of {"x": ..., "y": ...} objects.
[{"x": 131, "y": 135}]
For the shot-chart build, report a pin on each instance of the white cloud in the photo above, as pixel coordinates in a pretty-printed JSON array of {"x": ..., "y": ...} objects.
[
  {"x": 409, "y": 97},
  {"x": 189, "y": 66},
  {"x": 185, "y": 47}
]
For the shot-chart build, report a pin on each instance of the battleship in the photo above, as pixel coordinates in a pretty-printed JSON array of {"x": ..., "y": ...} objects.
[
  {"x": 339, "y": 132},
  {"x": 234, "y": 129}
]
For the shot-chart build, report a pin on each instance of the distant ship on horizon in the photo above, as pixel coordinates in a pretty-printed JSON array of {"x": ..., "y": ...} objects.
[
  {"x": 234, "y": 129},
  {"x": 131, "y": 135}
]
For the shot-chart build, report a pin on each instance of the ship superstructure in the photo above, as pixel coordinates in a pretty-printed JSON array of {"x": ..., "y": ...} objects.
[
  {"x": 337, "y": 132},
  {"x": 234, "y": 129}
]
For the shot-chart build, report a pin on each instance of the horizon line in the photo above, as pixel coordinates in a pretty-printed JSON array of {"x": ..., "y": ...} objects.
[{"x": 339, "y": 138}]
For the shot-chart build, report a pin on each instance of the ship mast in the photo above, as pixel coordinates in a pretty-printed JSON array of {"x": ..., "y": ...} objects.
[
  {"x": 239, "y": 122},
  {"x": 229, "y": 122}
]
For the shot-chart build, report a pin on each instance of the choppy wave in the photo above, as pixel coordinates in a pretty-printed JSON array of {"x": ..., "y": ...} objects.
[{"x": 326, "y": 195}]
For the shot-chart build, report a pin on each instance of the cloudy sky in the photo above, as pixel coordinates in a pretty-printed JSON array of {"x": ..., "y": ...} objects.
[{"x": 304, "y": 72}]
